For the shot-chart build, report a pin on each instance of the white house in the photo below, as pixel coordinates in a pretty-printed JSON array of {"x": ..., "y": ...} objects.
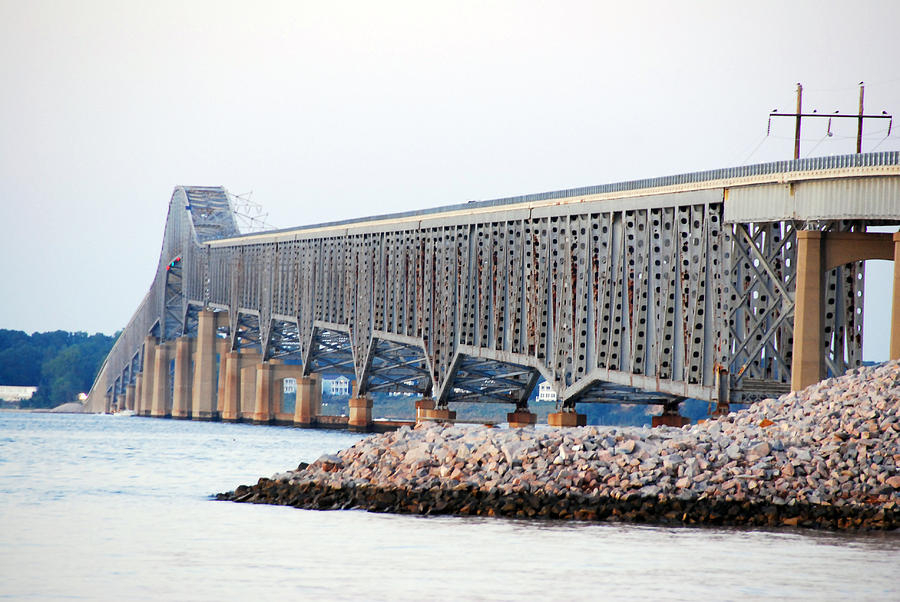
[
  {"x": 13, "y": 393},
  {"x": 339, "y": 386},
  {"x": 546, "y": 392}
]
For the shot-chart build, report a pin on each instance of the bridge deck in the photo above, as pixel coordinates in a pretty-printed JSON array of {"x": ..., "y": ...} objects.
[{"x": 768, "y": 182}]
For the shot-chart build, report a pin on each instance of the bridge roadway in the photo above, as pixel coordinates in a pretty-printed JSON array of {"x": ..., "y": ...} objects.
[{"x": 720, "y": 285}]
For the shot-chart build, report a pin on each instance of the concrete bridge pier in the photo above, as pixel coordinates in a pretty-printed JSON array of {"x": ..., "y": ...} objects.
[
  {"x": 222, "y": 350},
  {"x": 181, "y": 391},
  {"x": 818, "y": 252},
  {"x": 138, "y": 391},
  {"x": 239, "y": 391},
  {"x": 160, "y": 407},
  {"x": 150, "y": 344},
  {"x": 895, "y": 302},
  {"x": 269, "y": 400},
  {"x": 249, "y": 366},
  {"x": 281, "y": 372},
  {"x": 203, "y": 394},
  {"x": 309, "y": 400},
  {"x": 567, "y": 417},
  {"x": 670, "y": 415},
  {"x": 360, "y": 414},
  {"x": 422, "y": 406},
  {"x": 521, "y": 417},
  {"x": 129, "y": 397},
  {"x": 231, "y": 399},
  {"x": 262, "y": 413},
  {"x": 439, "y": 413}
]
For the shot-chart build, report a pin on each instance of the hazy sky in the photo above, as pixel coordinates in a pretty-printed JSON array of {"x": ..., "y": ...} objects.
[{"x": 330, "y": 110}]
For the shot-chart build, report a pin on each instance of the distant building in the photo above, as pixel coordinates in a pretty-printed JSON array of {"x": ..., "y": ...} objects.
[
  {"x": 290, "y": 385},
  {"x": 546, "y": 392},
  {"x": 16, "y": 394},
  {"x": 405, "y": 393},
  {"x": 338, "y": 387}
]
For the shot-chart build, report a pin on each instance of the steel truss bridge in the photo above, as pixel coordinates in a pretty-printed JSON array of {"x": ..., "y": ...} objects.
[{"x": 647, "y": 291}]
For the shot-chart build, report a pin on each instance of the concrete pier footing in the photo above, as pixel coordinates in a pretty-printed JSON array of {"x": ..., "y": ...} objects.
[
  {"x": 360, "y": 414},
  {"x": 675, "y": 420},
  {"x": 308, "y": 405},
  {"x": 521, "y": 418},
  {"x": 422, "y": 406},
  {"x": 566, "y": 419},
  {"x": 439, "y": 414}
]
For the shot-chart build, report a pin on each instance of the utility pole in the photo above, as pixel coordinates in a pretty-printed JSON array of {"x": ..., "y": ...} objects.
[
  {"x": 799, "y": 118},
  {"x": 860, "y": 117},
  {"x": 862, "y": 91}
]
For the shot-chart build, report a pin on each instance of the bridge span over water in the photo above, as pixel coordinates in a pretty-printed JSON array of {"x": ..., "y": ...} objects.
[{"x": 727, "y": 285}]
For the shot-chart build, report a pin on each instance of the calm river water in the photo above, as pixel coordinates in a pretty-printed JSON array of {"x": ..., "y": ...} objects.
[{"x": 102, "y": 508}]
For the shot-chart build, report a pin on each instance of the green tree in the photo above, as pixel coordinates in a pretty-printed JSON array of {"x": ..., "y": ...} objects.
[{"x": 62, "y": 364}]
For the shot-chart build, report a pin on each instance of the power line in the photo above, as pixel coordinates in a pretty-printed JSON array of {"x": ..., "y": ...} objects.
[
  {"x": 799, "y": 115},
  {"x": 758, "y": 146}
]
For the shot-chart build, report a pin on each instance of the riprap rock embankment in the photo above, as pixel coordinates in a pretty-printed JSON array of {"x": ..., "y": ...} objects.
[{"x": 825, "y": 457}]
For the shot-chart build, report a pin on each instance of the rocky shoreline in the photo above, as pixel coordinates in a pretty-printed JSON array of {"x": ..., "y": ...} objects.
[{"x": 826, "y": 457}]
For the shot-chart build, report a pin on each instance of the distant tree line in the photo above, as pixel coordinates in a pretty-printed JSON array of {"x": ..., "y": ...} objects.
[{"x": 62, "y": 364}]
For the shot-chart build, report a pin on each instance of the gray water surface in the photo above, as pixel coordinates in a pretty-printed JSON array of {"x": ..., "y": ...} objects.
[{"x": 103, "y": 507}]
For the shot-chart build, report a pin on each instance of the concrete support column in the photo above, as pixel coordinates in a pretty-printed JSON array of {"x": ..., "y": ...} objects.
[
  {"x": 203, "y": 405},
  {"x": 808, "y": 363},
  {"x": 129, "y": 397},
  {"x": 222, "y": 347},
  {"x": 181, "y": 392},
  {"x": 422, "y": 407},
  {"x": 567, "y": 419},
  {"x": 160, "y": 402},
  {"x": 232, "y": 395},
  {"x": 150, "y": 345},
  {"x": 248, "y": 368},
  {"x": 309, "y": 400},
  {"x": 138, "y": 391},
  {"x": 360, "y": 414},
  {"x": 895, "y": 304},
  {"x": 120, "y": 402},
  {"x": 263, "y": 411},
  {"x": 521, "y": 418}
]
